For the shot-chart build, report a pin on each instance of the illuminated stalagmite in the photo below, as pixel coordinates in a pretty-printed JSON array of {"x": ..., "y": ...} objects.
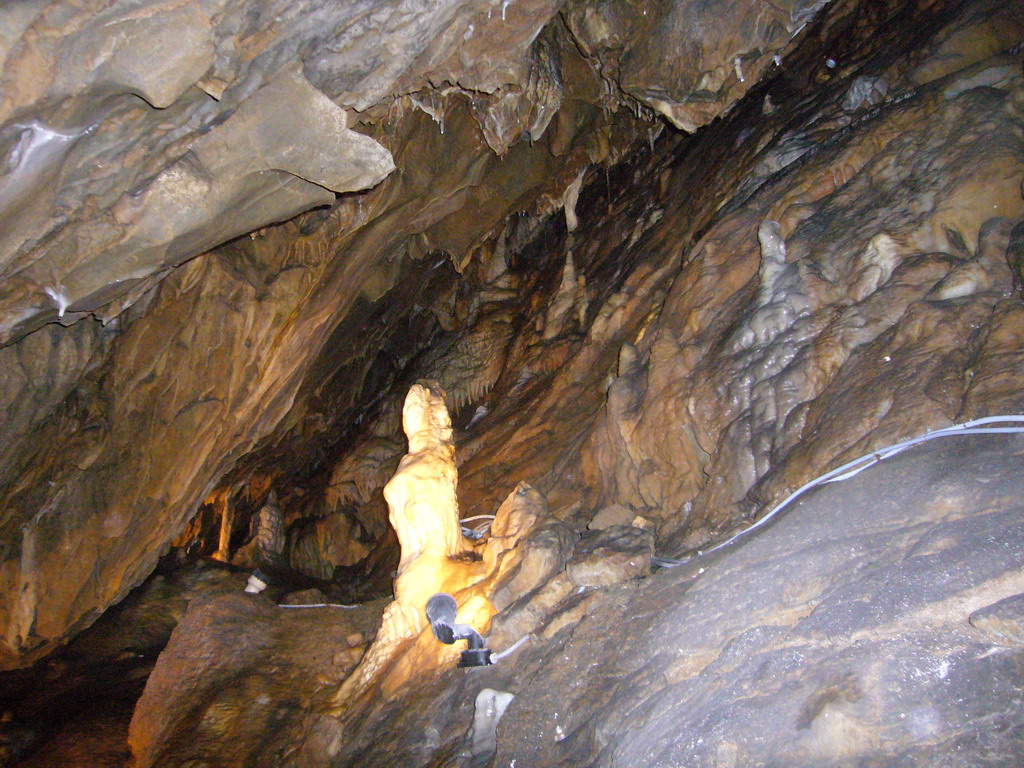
[
  {"x": 422, "y": 503},
  {"x": 435, "y": 556}
]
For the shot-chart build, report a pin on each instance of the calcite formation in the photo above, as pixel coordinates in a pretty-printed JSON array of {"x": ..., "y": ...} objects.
[
  {"x": 808, "y": 328},
  {"x": 424, "y": 512},
  {"x": 108, "y": 471},
  {"x": 326, "y": 543},
  {"x": 228, "y": 254},
  {"x": 518, "y": 556},
  {"x": 422, "y": 501},
  {"x": 140, "y": 370}
]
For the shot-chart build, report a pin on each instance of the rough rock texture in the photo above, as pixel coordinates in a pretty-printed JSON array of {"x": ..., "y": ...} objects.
[
  {"x": 710, "y": 63},
  {"x": 325, "y": 544},
  {"x": 1003, "y": 620},
  {"x": 238, "y": 678},
  {"x": 733, "y": 360},
  {"x": 248, "y": 171},
  {"x": 543, "y": 552},
  {"x": 655, "y": 337},
  {"x": 116, "y": 455},
  {"x": 853, "y": 302},
  {"x": 844, "y": 634},
  {"x": 76, "y": 704},
  {"x": 182, "y": 373}
]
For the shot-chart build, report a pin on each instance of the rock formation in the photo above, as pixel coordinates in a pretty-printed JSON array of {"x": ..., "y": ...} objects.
[
  {"x": 424, "y": 513},
  {"x": 435, "y": 557},
  {"x": 539, "y": 304}
]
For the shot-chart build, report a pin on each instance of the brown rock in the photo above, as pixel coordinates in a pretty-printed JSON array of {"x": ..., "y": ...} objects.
[
  {"x": 319, "y": 547},
  {"x": 238, "y": 679},
  {"x": 210, "y": 415},
  {"x": 797, "y": 646},
  {"x": 613, "y": 555},
  {"x": 540, "y": 555},
  {"x": 305, "y": 597},
  {"x": 614, "y": 514}
]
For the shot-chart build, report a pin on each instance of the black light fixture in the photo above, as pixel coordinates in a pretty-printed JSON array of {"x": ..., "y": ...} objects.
[{"x": 441, "y": 613}]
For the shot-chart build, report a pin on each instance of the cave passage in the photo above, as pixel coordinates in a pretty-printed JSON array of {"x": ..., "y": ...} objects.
[{"x": 309, "y": 313}]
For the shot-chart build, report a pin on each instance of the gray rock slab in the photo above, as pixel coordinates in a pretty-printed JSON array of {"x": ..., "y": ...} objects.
[{"x": 855, "y": 630}]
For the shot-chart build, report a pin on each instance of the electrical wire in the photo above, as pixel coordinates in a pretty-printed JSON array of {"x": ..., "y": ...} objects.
[
  {"x": 319, "y": 605},
  {"x": 855, "y": 467},
  {"x": 496, "y": 657},
  {"x": 480, "y": 531}
]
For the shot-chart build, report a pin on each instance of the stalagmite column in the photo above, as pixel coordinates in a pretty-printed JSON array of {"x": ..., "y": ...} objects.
[
  {"x": 421, "y": 496},
  {"x": 424, "y": 513},
  {"x": 222, "y": 507},
  {"x": 436, "y": 557},
  {"x": 270, "y": 534}
]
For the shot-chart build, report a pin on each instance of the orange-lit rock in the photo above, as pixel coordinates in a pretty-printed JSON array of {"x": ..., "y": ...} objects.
[
  {"x": 520, "y": 554},
  {"x": 435, "y": 556}
]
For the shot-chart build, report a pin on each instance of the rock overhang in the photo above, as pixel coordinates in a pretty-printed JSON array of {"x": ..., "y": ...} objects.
[{"x": 133, "y": 173}]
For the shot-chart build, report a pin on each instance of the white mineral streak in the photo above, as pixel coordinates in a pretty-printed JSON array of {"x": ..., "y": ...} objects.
[
  {"x": 569, "y": 199},
  {"x": 490, "y": 706},
  {"x": 571, "y": 293}
]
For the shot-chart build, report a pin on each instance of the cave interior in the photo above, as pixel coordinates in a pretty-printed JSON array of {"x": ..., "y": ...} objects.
[{"x": 674, "y": 339}]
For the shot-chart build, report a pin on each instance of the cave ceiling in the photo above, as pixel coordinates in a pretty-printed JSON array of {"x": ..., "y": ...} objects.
[{"x": 227, "y": 252}]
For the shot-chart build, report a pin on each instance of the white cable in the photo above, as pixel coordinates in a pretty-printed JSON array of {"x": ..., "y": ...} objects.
[
  {"x": 855, "y": 467},
  {"x": 319, "y": 605},
  {"x": 496, "y": 657},
  {"x": 479, "y": 531},
  {"x": 666, "y": 562},
  {"x": 885, "y": 453}
]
